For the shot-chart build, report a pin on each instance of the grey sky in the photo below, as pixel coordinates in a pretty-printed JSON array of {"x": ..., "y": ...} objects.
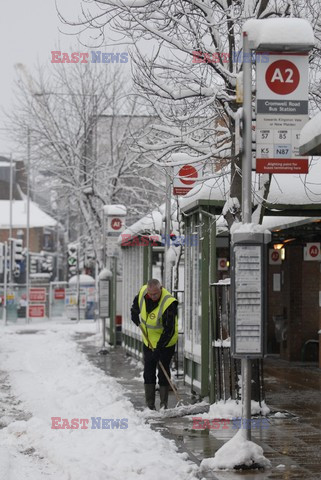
[{"x": 29, "y": 31}]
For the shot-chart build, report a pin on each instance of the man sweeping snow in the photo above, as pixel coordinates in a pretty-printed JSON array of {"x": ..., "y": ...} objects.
[{"x": 157, "y": 310}]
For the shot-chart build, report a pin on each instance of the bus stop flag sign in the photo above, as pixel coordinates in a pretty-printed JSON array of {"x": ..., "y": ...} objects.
[{"x": 281, "y": 111}]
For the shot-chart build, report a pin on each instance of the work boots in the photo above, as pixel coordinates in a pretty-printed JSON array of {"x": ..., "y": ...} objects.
[
  {"x": 150, "y": 395},
  {"x": 163, "y": 392}
]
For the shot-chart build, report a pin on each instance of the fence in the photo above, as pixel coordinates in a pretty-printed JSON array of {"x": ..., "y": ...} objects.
[{"x": 53, "y": 300}]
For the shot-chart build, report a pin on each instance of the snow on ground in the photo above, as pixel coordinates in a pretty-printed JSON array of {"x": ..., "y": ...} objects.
[
  {"x": 237, "y": 451},
  {"x": 51, "y": 377},
  {"x": 232, "y": 409}
]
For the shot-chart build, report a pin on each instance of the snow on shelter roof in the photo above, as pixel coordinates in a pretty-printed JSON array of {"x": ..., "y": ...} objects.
[
  {"x": 285, "y": 189},
  {"x": 280, "y": 34},
  {"x": 151, "y": 223},
  {"x": 310, "y": 136},
  {"x": 38, "y": 218},
  {"x": 119, "y": 210}
]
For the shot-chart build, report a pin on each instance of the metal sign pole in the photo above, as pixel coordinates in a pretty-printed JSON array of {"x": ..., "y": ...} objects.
[
  {"x": 5, "y": 282},
  {"x": 247, "y": 210},
  {"x": 168, "y": 207}
]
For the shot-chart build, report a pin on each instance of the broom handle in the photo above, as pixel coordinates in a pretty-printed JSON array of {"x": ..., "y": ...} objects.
[{"x": 161, "y": 365}]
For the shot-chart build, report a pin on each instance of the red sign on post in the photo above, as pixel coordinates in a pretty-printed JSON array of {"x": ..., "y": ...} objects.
[
  {"x": 116, "y": 223},
  {"x": 275, "y": 257},
  {"x": 185, "y": 178},
  {"x": 36, "y": 311},
  {"x": 59, "y": 294},
  {"x": 37, "y": 295}
]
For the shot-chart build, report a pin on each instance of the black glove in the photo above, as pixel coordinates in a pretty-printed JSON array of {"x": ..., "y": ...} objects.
[
  {"x": 156, "y": 354},
  {"x": 135, "y": 317}
]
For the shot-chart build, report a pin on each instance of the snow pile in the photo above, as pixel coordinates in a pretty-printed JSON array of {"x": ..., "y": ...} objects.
[
  {"x": 239, "y": 227},
  {"x": 233, "y": 409},
  {"x": 237, "y": 451},
  {"x": 53, "y": 378},
  {"x": 280, "y": 31}
]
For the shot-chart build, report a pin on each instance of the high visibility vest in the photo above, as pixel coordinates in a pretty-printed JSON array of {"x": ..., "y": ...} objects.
[{"x": 152, "y": 323}]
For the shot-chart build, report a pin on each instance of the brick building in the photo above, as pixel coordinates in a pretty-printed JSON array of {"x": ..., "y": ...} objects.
[{"x": 45, "y": 234}]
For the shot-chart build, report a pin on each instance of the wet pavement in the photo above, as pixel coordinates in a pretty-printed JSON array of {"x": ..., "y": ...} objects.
[{"x": 291, "y": 441}]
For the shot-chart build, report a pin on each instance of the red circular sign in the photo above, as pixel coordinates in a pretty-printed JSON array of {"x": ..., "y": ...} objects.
[
  {"x": 282, "y": 77},
  {"x": 275, "y": 256},
  {"x": 189, "y": 172},
  {"x": 116, "y": 224},
  {"x": 222, "y": 263},
  {"x": 313, "y": 251}
]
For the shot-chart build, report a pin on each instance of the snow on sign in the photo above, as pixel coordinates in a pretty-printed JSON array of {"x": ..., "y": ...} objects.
[
  {"x": 185, "y": 177},
  {"x": 281, "y": 112},
  {"x": 312, "y": 252}
]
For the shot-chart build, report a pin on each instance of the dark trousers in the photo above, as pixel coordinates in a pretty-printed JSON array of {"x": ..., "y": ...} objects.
[{"x": 150, "y": 365}]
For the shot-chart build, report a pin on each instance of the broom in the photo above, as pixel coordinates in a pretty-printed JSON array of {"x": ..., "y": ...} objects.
[{"x": 180, "y": 410}]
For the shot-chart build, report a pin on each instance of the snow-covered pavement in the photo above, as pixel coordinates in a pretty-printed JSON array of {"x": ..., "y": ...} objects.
[{"x": 47, "y": 381}]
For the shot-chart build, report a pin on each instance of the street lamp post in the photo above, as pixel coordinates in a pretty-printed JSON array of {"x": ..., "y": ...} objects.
[{"x": 28, "y": 224}]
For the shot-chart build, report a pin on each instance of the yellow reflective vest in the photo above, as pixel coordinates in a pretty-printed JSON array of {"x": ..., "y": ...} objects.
[{"x": 152, "y": 322}]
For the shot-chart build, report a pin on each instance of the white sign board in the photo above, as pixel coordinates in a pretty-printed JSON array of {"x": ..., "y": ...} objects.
[
  {"x": 248, "y": 300},
  {"x": 104, "y": 298},
  {"x": 281, "y": 111}
]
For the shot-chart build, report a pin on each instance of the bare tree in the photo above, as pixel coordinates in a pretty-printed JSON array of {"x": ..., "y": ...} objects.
[
  {"x": 81, "y": 122},
  {"x": 187, "y": 71}
]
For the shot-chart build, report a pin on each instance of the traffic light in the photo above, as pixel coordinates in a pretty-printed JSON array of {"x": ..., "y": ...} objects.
[
  {"x": 17, "y": 250},
  {"x": 33, "y": 264},
  {"x": 72, "y": 259},
  {"x": 17, "y": 257},
  {"x": 47, "y": 264}
]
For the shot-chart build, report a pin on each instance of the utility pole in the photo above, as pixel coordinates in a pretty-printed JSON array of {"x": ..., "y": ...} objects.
[
  {"x": 28, "y": 223},
  {"x": 168, "y": 208}
]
